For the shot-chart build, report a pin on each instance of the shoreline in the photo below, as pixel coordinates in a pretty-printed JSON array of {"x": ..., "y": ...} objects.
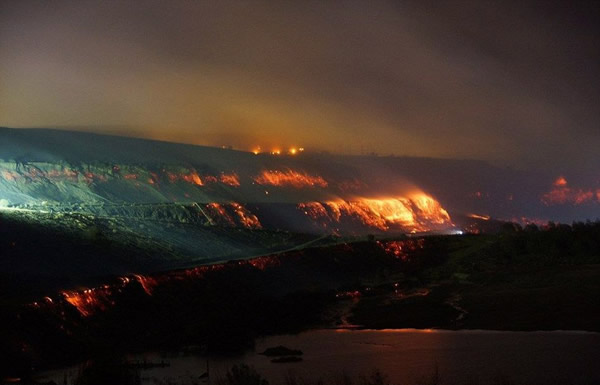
[
  {"x": 353, "y": 287},
  {"x": 341, "y": 330},
  {"x": 336, "y": 346}
]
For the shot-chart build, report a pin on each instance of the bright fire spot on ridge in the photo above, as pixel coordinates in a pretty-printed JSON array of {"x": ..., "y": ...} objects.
[
  {"x": 561, "y": 194},
  {"x": 560, "y": 181}
]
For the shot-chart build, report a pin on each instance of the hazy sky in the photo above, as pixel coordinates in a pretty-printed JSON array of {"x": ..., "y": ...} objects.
[{"x": 512, "y": 82}]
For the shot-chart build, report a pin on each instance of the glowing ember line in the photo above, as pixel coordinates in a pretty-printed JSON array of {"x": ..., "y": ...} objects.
[
  {"x": 193, "y": 178},
  {"x": 233, "y": 214},
  {"x": 230, "y": 179},
  {"x": 147, "y": 283},
  {"x": 290, "y": 178},
  {"x": 90, "y": 301},
  {"x": 477, "y": 216}
]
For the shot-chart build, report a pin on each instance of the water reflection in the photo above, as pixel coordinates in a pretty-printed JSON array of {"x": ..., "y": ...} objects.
[{"x": 407, "y": 355}]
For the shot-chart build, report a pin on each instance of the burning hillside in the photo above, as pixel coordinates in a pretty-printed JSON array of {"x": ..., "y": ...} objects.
[
  {"x": 290, "y": 178},
  {"x": 416, "y": 213},
  {"x": 91, "y": 300},
  {"x": 70, "y": 172},
  {"x": 218, "y": 191}
]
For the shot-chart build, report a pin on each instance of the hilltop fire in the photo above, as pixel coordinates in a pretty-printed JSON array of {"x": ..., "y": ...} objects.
[
  {"x": 562, "y": 194},
  {"x": 290, "y": 178}
]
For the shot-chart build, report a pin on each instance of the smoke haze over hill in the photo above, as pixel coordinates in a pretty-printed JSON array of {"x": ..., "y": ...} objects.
[{"x": 510, "y": 85}]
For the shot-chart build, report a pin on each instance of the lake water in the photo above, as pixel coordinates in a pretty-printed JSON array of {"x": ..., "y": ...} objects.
[{"x": 406, "y": 356}]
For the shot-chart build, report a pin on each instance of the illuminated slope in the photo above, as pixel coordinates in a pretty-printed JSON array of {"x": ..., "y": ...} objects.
[
  {"x": 130, "y": 177},
  {"x": 106, "y": 175}
]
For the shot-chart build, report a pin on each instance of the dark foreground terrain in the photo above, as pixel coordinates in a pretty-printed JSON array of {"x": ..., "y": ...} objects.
[{"x": 518, "y": 279}]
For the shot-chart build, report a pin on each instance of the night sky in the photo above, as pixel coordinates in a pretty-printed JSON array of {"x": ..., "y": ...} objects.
[{"x": 514, "y": 83}]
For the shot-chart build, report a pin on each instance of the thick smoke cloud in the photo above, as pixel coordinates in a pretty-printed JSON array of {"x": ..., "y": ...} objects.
[{"x": 513, "y": 83}]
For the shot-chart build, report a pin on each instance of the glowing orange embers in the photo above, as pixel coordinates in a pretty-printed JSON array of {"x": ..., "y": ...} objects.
[
  {"x": 33, "y": 172},
  {"x": 477, "y": 216},
  {"x": 192, "y": 178},
  {"x": 89, "y": 301},
  {"x": 232, "y": 214},
  {"x": 560, "y": 181},
  {"x": 416, "y": 213},
  {"x": 147, "y": 283},
  {"x": 246, "y": 218},
  {"x": 402, "y": 249},
  {"x": 290, "y": 178},
  {"x": 263, "y": 263},
  {"x": 230, "y": 179},
  {"x": 93, "y": 300},
  {"x": 561, "y": 194}
]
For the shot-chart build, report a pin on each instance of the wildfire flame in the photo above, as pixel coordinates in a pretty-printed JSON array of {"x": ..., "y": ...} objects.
[
  {"x": 233, "y": 214},
  {"x": 291, "y": 178},
  {"x": 90, "y": 301},
  {"x": 230, "y": 179},
  {"x": 218, "y": 210},
  {"x": 193, "y": 178},
  {"x": 429, "y": 209},
  {"x": 246, "y": 218},
  {"x": 32, "y": 172},
  {"x": 402, "y": 249},
  {"x": 561, "y": 194},
  {"x": 560, "y": 181},
  {"x": 414, "y": 213},
  {"x": 477, "y": 216},
  {"x": 147, "y": 283}
]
